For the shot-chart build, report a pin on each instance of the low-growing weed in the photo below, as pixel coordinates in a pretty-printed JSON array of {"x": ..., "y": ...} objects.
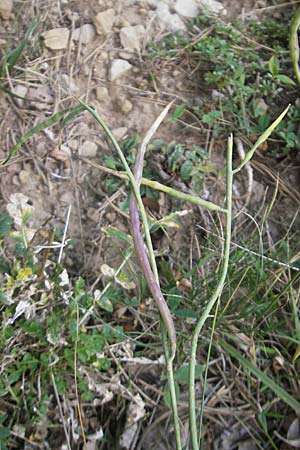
[{"x": 247, "y": 75}]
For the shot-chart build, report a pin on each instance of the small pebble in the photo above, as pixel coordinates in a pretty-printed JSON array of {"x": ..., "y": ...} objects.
[{"x": 88, "y": 149}]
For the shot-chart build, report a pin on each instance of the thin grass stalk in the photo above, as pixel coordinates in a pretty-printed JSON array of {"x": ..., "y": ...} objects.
[{"x": 212, "y": 301}]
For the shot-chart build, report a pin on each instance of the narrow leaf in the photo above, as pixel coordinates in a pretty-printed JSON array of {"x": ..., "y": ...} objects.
[
  {"x": 11, "y": 59},
  {"x": 41, "y": 126},
  {"x": 262, "y": 377},
  {"x": 274, "y": 65},
  {"x": 286, "y": 80},
  {"x": 261, "y": 140}
]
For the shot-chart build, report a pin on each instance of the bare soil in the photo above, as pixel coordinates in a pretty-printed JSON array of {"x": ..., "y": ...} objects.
[{"x": 53, "y": 177}]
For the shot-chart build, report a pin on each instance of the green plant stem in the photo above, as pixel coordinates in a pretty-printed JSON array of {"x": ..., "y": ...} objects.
[
  {"x": 212, "y": 301},
  {"x": 206, "y": 371},
  {"x": 160, "y": 187},
  {"x": 171, "y": 383},
  {"x": 294, "y": 44}
]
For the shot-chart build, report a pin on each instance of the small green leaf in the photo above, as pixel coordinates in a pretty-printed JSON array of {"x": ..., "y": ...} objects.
[
  {"x": 186, "y": 170},
  {"x": 111, "y": 163},
  {"x": 274, "y": 65},
  {"x": 182, "y": 374},
  {"x": 264, "y": 121},
  {"x": 178, "y": 112},
  {"x": 102, "y": 364},
  {"x": 115, "y": 233},
  {"x": 211, "y": 117},
  {"x": 5, "y": 224},
  {"x": 4, "y": 434},
  {"x": 125, "y": 280},
  {"x": 103, "y": 301},
  {"x": 285, "y": 80}
]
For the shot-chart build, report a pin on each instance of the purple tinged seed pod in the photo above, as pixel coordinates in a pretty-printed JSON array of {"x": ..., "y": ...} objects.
[
  {"x": 143, "y": 257},
  {"x": 146, "y": 268}
]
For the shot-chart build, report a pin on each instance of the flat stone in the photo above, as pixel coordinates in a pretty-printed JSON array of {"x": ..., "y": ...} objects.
[
  {"x": 126, "y": 106},
  {"x": 5, "y": 8},
  {"x": 102, "y": 94},
  {"x": 131, "y": 37},
  {"x": 118, "y": 68},
  {"x": 88, "y": 149},
  {"x": 20, "y": 90},
  {"x": 212, "y": 7},
  {"x": 104, "y": 21},
  {"x": 85, "y": 33},
  {"x": 56, "y": 39},
  {"x": 126, "y": 55},
  {"x": 119, "y": 133},
  {"x": 187, "y": 8},
  {"x": 171, "y": 22},
  {"x": 25, "y": 177}
]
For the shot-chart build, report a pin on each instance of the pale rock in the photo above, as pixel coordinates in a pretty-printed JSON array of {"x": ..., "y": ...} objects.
[
  {"x": 88, "y": 149},
  {"x": 5, "y": 8},
  {"x": 20, "y": 90},
  {"x": 104, "y": 21},
  {"x": 85, "y": 33},
  {"x": 61, "y": 153},
  {"x": 2, "y": 42},
  {"x": 56, "y": 39},
  {"x": 212, "y": 7},
  {"x": 131, "y": 37},
  {"x": 187, "y": 8},
  {"x": 119, "y": 133},
  {"x": 171, "y": 22},
  {"x": 126, "y": 106},
  {"x": 126, "y": 55},
  {"x": 25, "y": 177},
  {"x": 118, "y": 68},
  {"x": 15, "y": 180},
  {"x": 103, "y": 56},
  {"x": 68, "y": 84},
  {"x": 102, "y": 94}
]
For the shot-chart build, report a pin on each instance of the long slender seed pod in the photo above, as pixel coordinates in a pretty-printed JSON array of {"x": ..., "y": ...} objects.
[
  {"x": 151, "y": 276},
  {"x": 146, "y": 268}
]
